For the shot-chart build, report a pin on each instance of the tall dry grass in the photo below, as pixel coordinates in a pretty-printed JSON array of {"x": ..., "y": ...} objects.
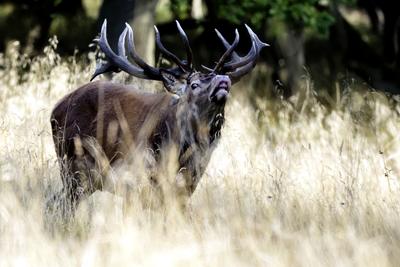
[{"x": 292, "y": 183}]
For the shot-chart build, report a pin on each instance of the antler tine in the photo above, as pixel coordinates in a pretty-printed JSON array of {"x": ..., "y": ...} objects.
[
  {"x": 226, "y": 44},
  {"x": 227, "y": 53},
  {"x": 255, "y": 38},
  {"x": 241, "y": 61},
  {"x": 235, "y": 56},
  {"x": 238, "y": 61},
  {"x": 121, "y": 44},
  {"x": 247, "y": 63},
  {"x": 120, "y": 61},
  {"x": 151, "y": 71},
  {"x": 185, "y": 41},
  {"x": 104, "y": 67},
  {"x": 168, "y": 54},
  {"x": 207, "y": 68}
]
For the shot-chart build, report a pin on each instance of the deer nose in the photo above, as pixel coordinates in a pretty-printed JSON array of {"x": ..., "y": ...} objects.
[{"x": 224, "y": 83}]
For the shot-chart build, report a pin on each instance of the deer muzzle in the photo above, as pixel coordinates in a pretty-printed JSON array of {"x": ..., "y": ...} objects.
[{"x": 222, "y": 87}]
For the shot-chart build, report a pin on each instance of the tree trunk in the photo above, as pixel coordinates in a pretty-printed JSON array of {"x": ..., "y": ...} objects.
[
  {"x": 139, "y": 14},
  {"x": 117, "y": 12},
  {"x": 211, "y": 10},
  {"x": 390, "y": 35},
  {"x": 197, "y": 11},
  {"x": 292, "y": 45},
  {"x": 142, "y": 23}
]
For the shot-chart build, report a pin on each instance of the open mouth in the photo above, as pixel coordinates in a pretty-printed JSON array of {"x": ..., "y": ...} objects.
[
  {"x": 222, "y": 86},
  {"x": 221, "y": 92}
]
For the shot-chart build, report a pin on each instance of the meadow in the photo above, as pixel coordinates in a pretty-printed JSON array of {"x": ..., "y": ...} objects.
[{"x": 292, "y": 183}]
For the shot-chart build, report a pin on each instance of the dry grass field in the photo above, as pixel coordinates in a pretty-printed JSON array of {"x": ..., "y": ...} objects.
[{"x": 291, "y": 184}]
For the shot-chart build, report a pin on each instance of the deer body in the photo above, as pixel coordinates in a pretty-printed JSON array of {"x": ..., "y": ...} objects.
[
  {"x": 105, "y": 121},
  {"x": 101, "y": 109},
  {"x": 81, "y": 112}
]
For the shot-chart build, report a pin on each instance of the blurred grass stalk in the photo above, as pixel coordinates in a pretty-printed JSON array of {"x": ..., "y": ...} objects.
[{"x": 292, "y": 183}]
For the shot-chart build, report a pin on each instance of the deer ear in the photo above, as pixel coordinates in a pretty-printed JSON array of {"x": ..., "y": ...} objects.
[{"x": 172, "y": 83}]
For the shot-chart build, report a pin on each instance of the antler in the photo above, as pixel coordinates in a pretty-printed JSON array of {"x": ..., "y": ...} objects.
[
  {"x": 153, "y": 72},
  {"x": 235, "y": 68},
  {"x": 239, "y": 66},
  {"x": 184, "y": 65},
  {"x": 229, "y": 50},
  {"x": 115, "y": 62}
]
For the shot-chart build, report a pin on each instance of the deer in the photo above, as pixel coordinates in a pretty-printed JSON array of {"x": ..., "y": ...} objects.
[{"x": 110, "y": 119}]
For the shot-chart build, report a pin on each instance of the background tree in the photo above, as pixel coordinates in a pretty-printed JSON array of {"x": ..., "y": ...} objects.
[
  {"x": 140, "y": 14},
  {"x": 36, "y": 20}
]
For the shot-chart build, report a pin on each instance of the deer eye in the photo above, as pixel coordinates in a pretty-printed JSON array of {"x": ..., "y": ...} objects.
[{"x": 194, "y": 86}]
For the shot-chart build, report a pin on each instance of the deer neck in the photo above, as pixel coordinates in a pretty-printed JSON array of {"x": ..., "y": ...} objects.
[{"x": 199, "y": 129}]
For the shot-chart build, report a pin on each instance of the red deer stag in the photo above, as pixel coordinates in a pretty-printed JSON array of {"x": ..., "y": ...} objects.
[{"x": 189, "y": 115}]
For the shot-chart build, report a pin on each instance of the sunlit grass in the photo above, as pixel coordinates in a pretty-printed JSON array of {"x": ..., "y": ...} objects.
[{"x": 292, "y": 183}]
